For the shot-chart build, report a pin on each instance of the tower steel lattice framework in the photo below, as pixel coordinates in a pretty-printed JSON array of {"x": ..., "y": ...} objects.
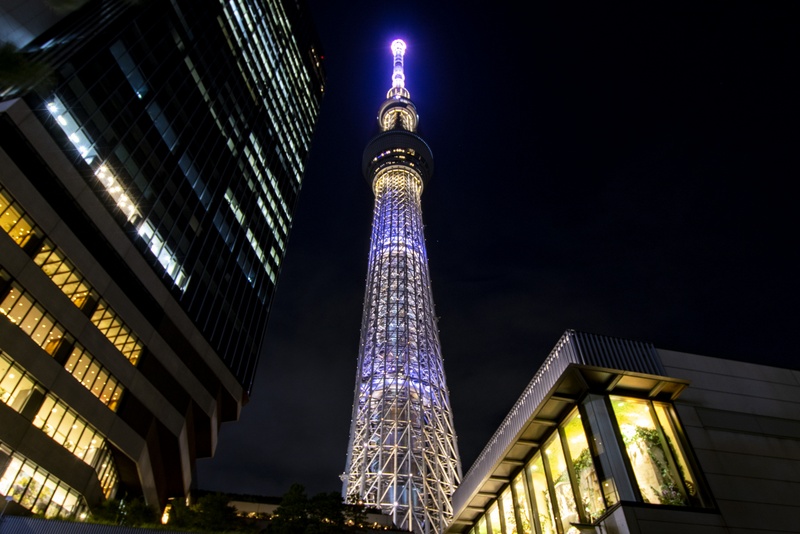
[{"x": 403, "y": 455}]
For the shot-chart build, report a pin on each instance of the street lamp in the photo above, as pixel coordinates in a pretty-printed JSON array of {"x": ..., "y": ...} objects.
[{"x": 9, "y": 498}]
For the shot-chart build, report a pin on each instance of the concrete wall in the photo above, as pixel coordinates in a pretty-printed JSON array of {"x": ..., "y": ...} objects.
[{"x": 743, "y": 422}]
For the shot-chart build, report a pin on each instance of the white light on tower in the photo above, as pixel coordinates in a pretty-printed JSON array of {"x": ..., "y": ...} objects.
[{"x": 402, "y": 456}]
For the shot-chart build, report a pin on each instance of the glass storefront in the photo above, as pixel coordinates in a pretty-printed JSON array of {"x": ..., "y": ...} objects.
[
  {"x": 587, "y": 485},
  {"x": 507, "y": 504},
  {"x": 559, "y": 488},
  {"x": 521, "y": 503},
  {"x": 656, "y": 457},
  {"x": 541, "y": 496}
]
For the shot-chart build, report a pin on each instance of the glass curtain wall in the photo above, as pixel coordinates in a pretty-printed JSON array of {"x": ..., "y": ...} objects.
[
  {"x": 559, "y": 487},
  {"x": 656, "y": 456}
]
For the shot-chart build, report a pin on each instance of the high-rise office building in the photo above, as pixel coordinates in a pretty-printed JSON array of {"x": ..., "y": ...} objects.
[
  {"x": 403, "y": 455},
  {"x": 146, "y": 201}
]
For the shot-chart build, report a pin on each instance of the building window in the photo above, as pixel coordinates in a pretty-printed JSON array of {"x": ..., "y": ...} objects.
[
  {"x": 494, "y": 519},
  {"x": 62, "y": 273},
  {"x": 37, "y": 490},
  {"x": 13, "y": 222},
  {"x": 480, "y": 528},
  {"x": 563, "y": 497},
  {"x": 520, "y": 493},
  {"x": 15, "y": 386},
  {"x": 69, "y": 280},
  {"x": 75, "y": 434},
  {"x": 586, "y": 482},
  {"x": 58, "y": 421},
  {"x": 507, "y": 505},
  {"x": 560, "y": 486},
  {"x": 540, "y": 495},
  {"x": 656, "y": 456},
  {"x": 94, "y": 377},
  {"x": 109, "y": 324},
  {"x": 23, "y": 311}
]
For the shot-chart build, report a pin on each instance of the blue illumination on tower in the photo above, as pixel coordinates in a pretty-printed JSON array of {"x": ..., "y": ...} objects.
[{"x": 403, "y": 455}]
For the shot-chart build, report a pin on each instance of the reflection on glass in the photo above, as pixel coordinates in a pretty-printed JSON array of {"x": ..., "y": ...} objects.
[
  {"x": 36, "y": 489},
  {"x": 565, "y": 499},
  {"x": 652, "y": 465},
  {"x": 15, "y": 386},
  {"x": 541, "y": 495},
  {"x": 507, "y": 504},
  {"x": 15, "y": 224},
  {"x": 522, "y": 504},
  {"x": 585, "y": 474},
  {"x": 480, "y": 527},
  {"x": 494, "y": 519},
  {"x": 668, "y": 427}
]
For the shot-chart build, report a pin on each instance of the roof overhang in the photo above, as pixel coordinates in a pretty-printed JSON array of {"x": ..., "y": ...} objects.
[{"x": 574, "y": 368}]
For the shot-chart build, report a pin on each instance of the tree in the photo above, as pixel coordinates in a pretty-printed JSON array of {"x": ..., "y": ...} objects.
[
  {"x": 325, "y": 513},
  {"x": 130, "y": 512},
  {"x": 214, "y": 513},
  {"x": 291, "y": 516},
  {"x": 19, "y": 73},
  {"x": 65, "y": 6},
  {"x": 355, "y": 513}
]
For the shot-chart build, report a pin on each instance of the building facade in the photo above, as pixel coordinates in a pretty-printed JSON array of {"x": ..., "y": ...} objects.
[
  {"x": 402, "y": 456},
  {"x": 614, "y": 436},
  {"x": 146, "y": 200}
]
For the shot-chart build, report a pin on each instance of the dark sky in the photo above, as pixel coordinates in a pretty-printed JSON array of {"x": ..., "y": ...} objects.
[{"x": 625, "y": 169}]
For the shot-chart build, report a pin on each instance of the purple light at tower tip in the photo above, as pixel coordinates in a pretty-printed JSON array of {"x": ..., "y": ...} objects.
[{"x": 398, "y": 77}]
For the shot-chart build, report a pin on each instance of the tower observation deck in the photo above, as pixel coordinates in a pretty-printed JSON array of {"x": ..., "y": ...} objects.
[{"x": 402, "y": 456}]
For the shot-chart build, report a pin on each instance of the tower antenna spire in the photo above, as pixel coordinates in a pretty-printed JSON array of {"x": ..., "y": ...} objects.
[{"x": 398, "y": 76}]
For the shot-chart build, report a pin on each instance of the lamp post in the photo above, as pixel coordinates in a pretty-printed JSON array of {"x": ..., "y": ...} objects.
[{"x": 9, "y": 498}]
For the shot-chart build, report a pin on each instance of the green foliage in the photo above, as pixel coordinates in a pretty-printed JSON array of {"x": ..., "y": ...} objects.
[
  {"x": 355, "y": 513},
  {"x": 211, "y": 513},
  {"x": 292, "y": 516},
  {"x": 215, "y": 513},
  {"x": 65, "y": 6},
  {"x": 668, "y": 492},
  {"x": 19, "y": 73},
  {"x": 648, "y": 435},
  {"x": 583, "y": 461},
  {"x": 324, "y": 513},
  {"x": 133, "y": 512},
  {"x": 180, "y": 515}
]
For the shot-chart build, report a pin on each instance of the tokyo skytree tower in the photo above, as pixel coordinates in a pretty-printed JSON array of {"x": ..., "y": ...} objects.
[{"x": 403, "y": 456}]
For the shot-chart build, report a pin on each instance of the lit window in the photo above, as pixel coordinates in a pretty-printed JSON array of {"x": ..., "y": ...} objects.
[
  {"x": 657, "y": 459},
  {"x": 37, "y": 490},
  {"x": 494, "y": 519},
  {"x": 562, "y": 485},
  {"x": 588, "y": 487},
  {"x": 541, "y": 495},
  {"x": 507, "y": 504},
  {"x": 480, "y": 528},
  {"x": 73, "y": 130},
  {"x": 525, "y": 526}
]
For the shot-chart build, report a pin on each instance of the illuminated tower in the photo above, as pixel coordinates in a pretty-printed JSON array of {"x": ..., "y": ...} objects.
[{"x": 403, "y": 456}]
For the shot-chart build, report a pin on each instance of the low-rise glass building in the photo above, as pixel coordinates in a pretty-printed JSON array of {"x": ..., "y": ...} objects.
[{"x": 616, "y": 436}]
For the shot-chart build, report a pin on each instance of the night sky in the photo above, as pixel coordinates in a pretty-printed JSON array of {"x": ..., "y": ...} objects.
[{"x": 625, "y": 169}]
